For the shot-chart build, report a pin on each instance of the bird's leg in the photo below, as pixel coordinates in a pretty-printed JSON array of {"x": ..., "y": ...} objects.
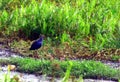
[{"x": 36, "y": 55}]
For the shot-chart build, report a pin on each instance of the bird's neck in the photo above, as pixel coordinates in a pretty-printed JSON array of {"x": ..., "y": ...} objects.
[{"x": 41, "y": 39}]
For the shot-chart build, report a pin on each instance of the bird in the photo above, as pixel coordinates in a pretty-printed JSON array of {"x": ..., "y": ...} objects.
[{"x": 37, "y": 44}]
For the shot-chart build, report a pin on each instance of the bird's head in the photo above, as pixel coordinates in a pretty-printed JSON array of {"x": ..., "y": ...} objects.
[{"x": 41, "y": 37}]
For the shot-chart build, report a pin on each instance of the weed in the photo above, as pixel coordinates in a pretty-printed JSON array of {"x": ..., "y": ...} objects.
[
  {"x": 67, "y": 74},
  {"x": 7, "y": 77}
]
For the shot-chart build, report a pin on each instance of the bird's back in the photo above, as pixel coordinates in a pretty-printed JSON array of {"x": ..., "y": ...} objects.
[{"x": 36, "y": 44}]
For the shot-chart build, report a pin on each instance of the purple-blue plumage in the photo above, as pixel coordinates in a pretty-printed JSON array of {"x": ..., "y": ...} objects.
[{"x": 37, "y": 44}]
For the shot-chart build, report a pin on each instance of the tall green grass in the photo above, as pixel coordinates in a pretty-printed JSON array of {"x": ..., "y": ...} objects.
[{"x": 96, "y": 20}]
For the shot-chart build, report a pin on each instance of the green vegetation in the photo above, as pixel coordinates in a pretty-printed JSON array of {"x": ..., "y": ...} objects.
[
  {"x": 115, "y": 58},
  {"x": 67, "y": 74},
  {"x": 95, "y": 23},
  {"x": 58, "y": 68},
  {"x": 7, "y": 77}
]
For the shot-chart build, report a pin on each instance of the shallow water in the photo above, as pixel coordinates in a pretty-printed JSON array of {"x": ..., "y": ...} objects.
[
  {"x": 24, "y": 77},
  {"x": 113, "y": 64}
]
